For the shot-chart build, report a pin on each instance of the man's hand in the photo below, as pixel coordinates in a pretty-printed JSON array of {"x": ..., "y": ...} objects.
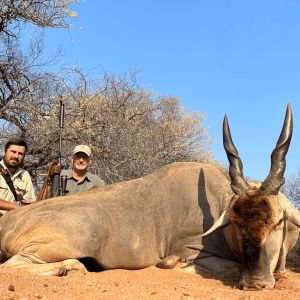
[
  {"x": 55, "y": 168},
  {"x": 94, "y": 187}
]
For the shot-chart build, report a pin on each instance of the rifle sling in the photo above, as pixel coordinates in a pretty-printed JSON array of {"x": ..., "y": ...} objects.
[{"x": 10, "y": 185}]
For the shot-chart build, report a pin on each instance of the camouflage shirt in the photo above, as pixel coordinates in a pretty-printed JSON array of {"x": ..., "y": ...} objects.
[{"x": 75, "y": 186}]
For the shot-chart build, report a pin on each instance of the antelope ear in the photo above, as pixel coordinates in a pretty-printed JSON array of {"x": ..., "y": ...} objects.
[
  {"x": 292, "y": 213},
  {"x": 295, "y": 218},
  {"x": 222, "y": 222}
]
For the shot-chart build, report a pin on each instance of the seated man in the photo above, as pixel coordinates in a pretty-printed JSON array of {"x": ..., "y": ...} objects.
[
  {"x": 16, "y": 187},
  {"x": 78, "y": 179}
]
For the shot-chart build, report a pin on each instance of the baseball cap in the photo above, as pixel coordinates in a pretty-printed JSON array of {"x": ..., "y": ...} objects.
[{"x": 83, "y": 148}]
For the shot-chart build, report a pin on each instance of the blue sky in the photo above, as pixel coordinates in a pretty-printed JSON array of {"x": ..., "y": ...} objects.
[{"x": 236, "y": 57}]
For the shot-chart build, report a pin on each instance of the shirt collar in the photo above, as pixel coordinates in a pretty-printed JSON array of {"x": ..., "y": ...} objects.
[
  {"x": 17, "y": 172},
  {"x": 70, "y": 175},
  {"x": 87, "y": 175}
]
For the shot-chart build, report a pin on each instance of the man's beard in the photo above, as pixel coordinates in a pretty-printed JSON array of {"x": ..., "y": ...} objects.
[
  {"x": 12, "y": 163},
  {"x": 79, "y": 166}
]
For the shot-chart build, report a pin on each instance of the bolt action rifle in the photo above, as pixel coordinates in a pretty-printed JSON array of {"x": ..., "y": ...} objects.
[{"x": 55, "y": 185}]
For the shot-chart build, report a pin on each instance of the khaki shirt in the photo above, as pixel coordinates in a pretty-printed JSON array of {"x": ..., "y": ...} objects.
[
  {"x": 23, "y": 186},
  {"x": 75, "y": 187}
]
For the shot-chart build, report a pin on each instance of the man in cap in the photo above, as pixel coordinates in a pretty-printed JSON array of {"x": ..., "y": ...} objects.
[
  {"x": 79, "y": 179},
  {"x": 16, "y": 187}
]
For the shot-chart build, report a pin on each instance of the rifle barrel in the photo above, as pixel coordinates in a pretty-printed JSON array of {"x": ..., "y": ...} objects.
[
  {"x": 56, "y": 186},
  {"x": 61, "y": 125}
]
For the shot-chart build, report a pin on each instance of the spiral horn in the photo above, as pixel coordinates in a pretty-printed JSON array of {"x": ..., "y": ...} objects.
[
  {"x": 275, "y": 179},
  {"x": 238, "y": 183}
]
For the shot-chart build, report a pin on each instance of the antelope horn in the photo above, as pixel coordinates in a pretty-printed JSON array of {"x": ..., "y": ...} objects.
[
  {"x": 238, "y": 183},
  {"x": 275, "y": 179}
]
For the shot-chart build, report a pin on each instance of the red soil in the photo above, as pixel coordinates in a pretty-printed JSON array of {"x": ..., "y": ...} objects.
[{"x": 150, "y": 283}]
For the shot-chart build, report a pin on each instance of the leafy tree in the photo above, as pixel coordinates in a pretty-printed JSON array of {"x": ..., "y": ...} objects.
[
  {"x": 16, "y": 14},
  {"x": 132, "y": 130},
  {"x": 22, "y": 60}
]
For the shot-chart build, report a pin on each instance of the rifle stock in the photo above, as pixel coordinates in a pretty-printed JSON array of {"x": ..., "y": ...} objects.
[
  {"x": 46, "y": 191},
  {"x": 55, "y": 191}
]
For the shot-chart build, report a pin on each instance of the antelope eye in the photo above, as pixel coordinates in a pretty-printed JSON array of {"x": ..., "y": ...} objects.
[{"x": 280, "y": 221}]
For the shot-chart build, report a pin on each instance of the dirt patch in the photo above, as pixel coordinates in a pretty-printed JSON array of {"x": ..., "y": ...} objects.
[
  {"x": 279, "y": 281},
  {"x": 152, "y": 283}
]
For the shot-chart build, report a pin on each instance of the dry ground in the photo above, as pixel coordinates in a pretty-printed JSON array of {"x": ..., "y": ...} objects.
[{"x": 152, "y": 283}]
